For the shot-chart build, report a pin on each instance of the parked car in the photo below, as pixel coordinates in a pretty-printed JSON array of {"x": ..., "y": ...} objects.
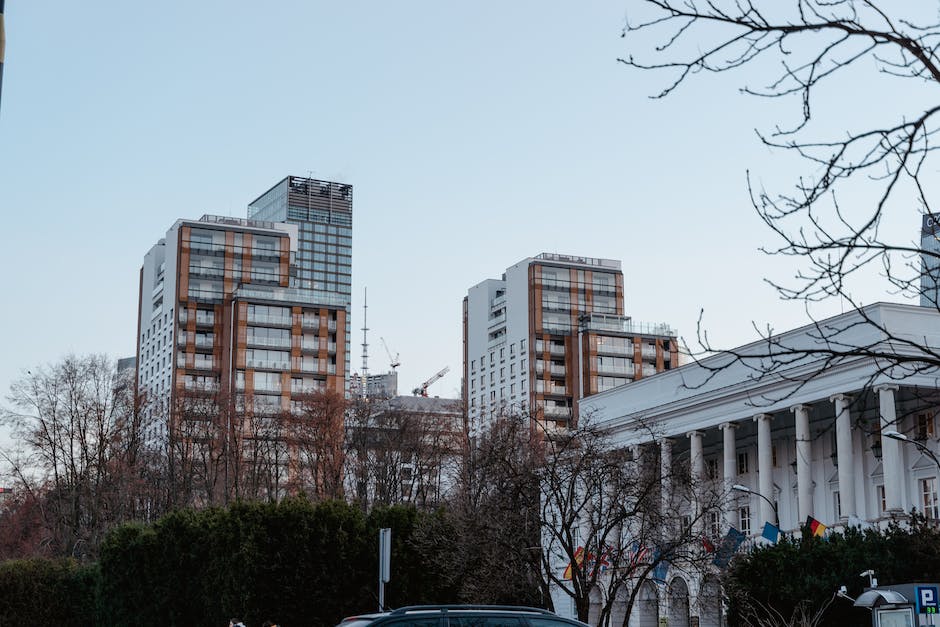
[{"x": 461, "y": 616}]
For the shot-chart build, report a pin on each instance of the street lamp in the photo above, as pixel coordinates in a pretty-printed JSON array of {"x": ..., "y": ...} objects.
[
  {"x": 900, "y": 437},
  {"x": 743, "y": 488}
]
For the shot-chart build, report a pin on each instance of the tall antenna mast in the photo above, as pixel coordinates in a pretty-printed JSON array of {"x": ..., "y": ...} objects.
[{"x": 365, "y": 343}]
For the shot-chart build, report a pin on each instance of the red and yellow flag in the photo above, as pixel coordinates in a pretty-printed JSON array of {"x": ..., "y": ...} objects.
[
  {"x": 815, "y": 527},
  {"x": 578, "y": 560}
]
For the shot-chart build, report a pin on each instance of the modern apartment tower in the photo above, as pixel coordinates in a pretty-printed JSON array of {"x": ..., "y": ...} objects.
[
  {"x": 322, "y": 212},
  {"x": 221, "y": 314},
  {"x": 930, "y": 261},
  {"x": 551, "y": 331}
]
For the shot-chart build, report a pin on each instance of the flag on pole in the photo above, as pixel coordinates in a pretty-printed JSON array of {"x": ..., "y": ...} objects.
[
  {"x": 707, "y": 545},
  {"x": 815, "y": 527},
  {"x": 727, "y": 548},
  {"x": 578, "y": 560},
  {"x": 661, "y": 569},
  {"x": 771, "y": 533}
]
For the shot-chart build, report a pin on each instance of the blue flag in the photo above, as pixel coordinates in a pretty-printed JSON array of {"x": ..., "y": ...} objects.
[
  {"x": 727, "y": 548},
  {"x": 771, "y": 533},
  {"x": 661, "y": 569}
]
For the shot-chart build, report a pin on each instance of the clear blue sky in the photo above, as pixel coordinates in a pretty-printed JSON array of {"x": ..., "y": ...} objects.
[{"x": 475, "y": 134}]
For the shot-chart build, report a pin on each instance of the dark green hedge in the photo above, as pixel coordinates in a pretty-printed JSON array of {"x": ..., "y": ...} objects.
[
  {"x": 293, "y": 562},
  {"x": 47, "y": 592},
  {"x": 810, "y": 569}
]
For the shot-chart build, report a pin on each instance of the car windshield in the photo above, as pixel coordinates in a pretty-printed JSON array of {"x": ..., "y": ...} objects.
[{"x": 356, "y": 622}]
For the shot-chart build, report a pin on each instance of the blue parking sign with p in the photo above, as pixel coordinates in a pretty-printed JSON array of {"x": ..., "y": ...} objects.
[{"x": 928, "y": 599}]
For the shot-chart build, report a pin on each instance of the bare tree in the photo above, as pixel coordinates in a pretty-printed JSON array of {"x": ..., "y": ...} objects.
[
  {"x": 584, "y": 519},
  {"x": 81, "y": 462},
  {"x": 403, "y": 450},
  {"x": 795, "y": 50},
  {"x": 316, "y": 445}
]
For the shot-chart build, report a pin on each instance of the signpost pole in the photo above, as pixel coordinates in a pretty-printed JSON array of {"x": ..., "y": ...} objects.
[{"x": 385, "y": 563}]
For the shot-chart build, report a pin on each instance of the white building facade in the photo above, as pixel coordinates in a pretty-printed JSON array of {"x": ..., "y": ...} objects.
[{"x": 809, "y": 422}]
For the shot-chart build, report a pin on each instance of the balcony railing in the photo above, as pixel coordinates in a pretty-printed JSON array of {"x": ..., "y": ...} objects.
[
  {"x": 271, "y": 342},
  {"x": 310, "y": 323},
  {"x": 267, "y": 364},
  {"x": 279, "y": 321},
  {"x": 198, "y": 364}
]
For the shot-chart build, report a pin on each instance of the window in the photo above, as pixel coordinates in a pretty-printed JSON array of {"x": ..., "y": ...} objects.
[
  {"x": 502, "y": 353},
  {"x": 711, "y": 468},
  {"x": 924, "y": 426},
  {"x": 773, "y": 456},
  {"x": 744, "y": 520},
  {"x": 492, "y": 358},
  {"x": 714, "y": 524},
  {"x": 882, "y": 502},
  {"x": 836, "y": 504},
  {"x": 522, "y": 345},
  {"x": 928, "y": 491},
  {"x": 743, "y": 463}
]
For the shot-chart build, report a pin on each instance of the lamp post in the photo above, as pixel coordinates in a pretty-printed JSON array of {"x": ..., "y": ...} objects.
[
  {"x": 900, "y": 437},
  {"x": 743, "y": 488}
]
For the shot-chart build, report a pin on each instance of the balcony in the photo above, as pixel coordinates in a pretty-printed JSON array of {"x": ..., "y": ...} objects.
[
  {"x": 553, "y": 349},
  {"x": 206, "y": 248},
  {"x": 553, "y": 411},
  {"x": 205, "y": 272},
  {"x": 266, "y": 364},
  {"x": 206, "y": 296},
  {"x": 267, "y": 389},
  {"x": 331, "y": 347},
  {"x": 649, "y": 351},
  {"x": 208, "y": 386},
  {"x": 309, "y": 344},
  {"x": 276, "y": 321},
  {"x": 310, "y": 365},
  {"x": 559, "y": 390},
  {"x": 331, "y": 325},
  {"x": 626, "y": 371},
  {"x": 265, "y": 254},
  {"x": 310, "y": 323},
  {"x": 269, "y": 342},
  {"x": 201, "y": 362}
]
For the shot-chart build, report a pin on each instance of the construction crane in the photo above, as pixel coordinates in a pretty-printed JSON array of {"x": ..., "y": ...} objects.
[
  {"x": 422, "y": 390},
  {"x": 392, "y": 360}
]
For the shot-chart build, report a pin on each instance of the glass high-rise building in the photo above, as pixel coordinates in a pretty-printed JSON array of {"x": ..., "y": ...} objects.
[{"x": 322, "y": 211}]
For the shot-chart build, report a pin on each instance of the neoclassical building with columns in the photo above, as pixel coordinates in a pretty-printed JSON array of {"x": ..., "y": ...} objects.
[{"x": 834, "y": 420}]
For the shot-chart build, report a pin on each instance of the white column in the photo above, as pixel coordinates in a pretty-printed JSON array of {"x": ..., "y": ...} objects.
[
  {"x": 765, "y": 469},
  {"x": 730, "y": 470},
  {"x": 697, "y": 472},
  {"x": 804, "y": 452},
  {"x": 665, "y": 458},
  {"x": 845, "y": 455},
  {"x": 890, "y": 448}
]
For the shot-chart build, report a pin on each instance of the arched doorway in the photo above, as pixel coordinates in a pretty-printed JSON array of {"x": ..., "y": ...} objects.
[
  {"x": 618, "y": 611},
  {"x": 594, "y": 610},
  {"x": 709, "y": 603},
  {"x": 678, "y": 603},
  {"x": 646, "y": 607}
]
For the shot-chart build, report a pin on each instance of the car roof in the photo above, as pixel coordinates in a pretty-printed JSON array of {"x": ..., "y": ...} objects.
[{"x": 443, "y": 609}]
